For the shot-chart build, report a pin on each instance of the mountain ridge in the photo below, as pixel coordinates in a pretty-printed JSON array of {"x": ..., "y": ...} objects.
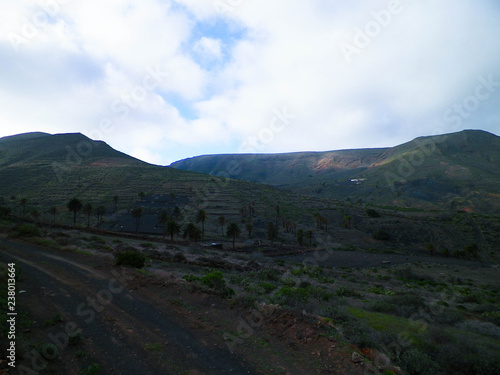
[{"x": 437, "y": 170}]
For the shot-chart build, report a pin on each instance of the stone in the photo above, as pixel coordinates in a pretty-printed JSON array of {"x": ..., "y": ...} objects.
[{"x": 356, "y": 357}]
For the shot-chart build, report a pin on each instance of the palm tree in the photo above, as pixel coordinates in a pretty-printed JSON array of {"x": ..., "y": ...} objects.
[
  {"x": 23, "y": 203},
  {"x": 115, "y": 201},
  {"x": 201, "y": 216},
  {"x": 87, "y": 210},
  {"x": 272, "y": 231},
  {"x": 221, "y": 221},
  {"x": 177, "y": 212},
  {"x": 100, "y": 211},
  {"x": 309, "y": 236},
  {"x": 249, "y": 227},
  {"x": 233, "y": 230},
  {"x": 163, "y": 219},
  {"x": 137, "y": 214},
  {"x": 192, "y": 231},
  {"x": 74, "y": 205},
  {"x": 172, "y": 228},
  {"x": 36, "y": 214},
  {"x": 300, "y": 237},
  {"x": 53, "y": 212}
]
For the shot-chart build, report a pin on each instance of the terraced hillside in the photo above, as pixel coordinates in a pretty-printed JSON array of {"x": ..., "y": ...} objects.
[
  {"x": 41, "y": 173},
  {"x": 458, "y": 170}
]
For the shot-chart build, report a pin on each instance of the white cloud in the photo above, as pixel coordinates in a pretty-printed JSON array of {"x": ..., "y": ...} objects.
[
  {"x": 227, "y": 72},
  {"x": 209, "y": 48}
]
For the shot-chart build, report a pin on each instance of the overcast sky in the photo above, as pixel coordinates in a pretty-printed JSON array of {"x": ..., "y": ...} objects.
[{"x": 165, "y": 80}]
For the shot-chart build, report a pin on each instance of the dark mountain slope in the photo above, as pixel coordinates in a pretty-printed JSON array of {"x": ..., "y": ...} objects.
[{"x": 456, "y": 170}]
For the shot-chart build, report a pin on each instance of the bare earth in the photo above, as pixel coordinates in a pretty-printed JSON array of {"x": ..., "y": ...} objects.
[{"x": 155, "y": 324}]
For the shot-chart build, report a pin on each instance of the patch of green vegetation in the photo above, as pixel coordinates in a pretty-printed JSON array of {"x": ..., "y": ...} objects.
[
  {"x": 215, "y": 280},
  {"x": 269, "y": 274},
  {"x": 154, "y": 347},
  {"x": 190, "y": 278},
  {"x": 387, "y": 323},
  {"x": 291, "y": 296},
  {"x": 267, "y": 287},
  {"x": 347, "y": 292},
  {"x": 56, "y": 319},
  {"x": 379, "y": 289},
  {"x": 313, "y": 272},
  {"x": 44, "y": 242},
  {"x": 28, "y": 230},
  {"x": 92, "y": 369},
  {"x": 288, "y": 281}
]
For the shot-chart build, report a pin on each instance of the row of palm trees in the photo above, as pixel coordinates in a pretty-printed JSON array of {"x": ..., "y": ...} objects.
[
  {"x": 75, "y": 205},
  {"x": 191, "y": 231}
]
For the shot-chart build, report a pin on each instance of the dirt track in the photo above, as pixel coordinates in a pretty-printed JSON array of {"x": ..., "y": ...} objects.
[{"x": 117, "y": 323}]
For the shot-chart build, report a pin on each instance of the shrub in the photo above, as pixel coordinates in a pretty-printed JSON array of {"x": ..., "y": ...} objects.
[
  {"x": 269, "y": 275},
  {"x": 320, "y": 293},
  {"x": 28, "y": 230},
  {"x": 288, "y": 281},
  {"x": 417, "y": 363},
  {"x": 292, "y": 296},
  {"x": 179, "y": 257},
  {"x": 214, "y": 279},
  {"x": 190, "y": 278},
  {"x": 347, "y": 292},
  {"x": 130, "y": 259},
  {"x": 267, "y": 287}
]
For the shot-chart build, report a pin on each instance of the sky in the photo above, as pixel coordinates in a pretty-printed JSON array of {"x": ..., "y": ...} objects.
[{"x": 164, "y": 80}]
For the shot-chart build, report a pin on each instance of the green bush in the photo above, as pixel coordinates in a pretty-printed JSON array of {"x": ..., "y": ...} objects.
[
  {"x": 269, "y": 275},
  {"x": 347, "y": 292},
  {"x": 28, "y": 230},
  {"x": 292, "y": 296},
  {"x": 417, "y": 363},
  {"x": 214, "y": 279},
  {"x": 320, "y": 293},
  {"x": 190, "y": 278},
  {"x": 130, "y": 259},
  {"x": 267, "y": 287}
]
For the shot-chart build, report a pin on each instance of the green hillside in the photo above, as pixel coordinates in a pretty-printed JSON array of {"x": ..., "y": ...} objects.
[
  {"x": 458, "y": 170},
  {"x": 39, "y": 172}
]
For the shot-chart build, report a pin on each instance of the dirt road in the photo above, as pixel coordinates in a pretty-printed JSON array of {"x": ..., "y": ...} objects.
[{"x": 122, "y": 331}]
